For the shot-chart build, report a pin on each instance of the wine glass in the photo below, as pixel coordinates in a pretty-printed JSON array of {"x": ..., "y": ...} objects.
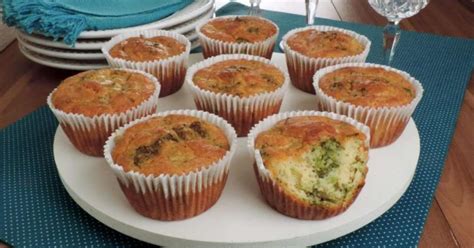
[
  {"x": 254, "y": 7},
  {"x": 311, "y": 6},
  {"x": 395, "y": 11}
]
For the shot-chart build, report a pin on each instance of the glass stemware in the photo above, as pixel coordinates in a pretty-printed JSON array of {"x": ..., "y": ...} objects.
[
  {"x": 395, "y": 11},
  {"x": 254, "y": 7}
]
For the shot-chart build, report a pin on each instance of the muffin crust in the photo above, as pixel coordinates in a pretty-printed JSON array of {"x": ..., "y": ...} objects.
[
  {"x": 173, "y": 144},
  {"x": 243, "y": 29},
  {"x": 372, "y": 87},
  {"x": 239, "y": 77},
  {"x": 147, "y": 49},
  {"x": 324, "y": 44},
  {"x": 105, "y": 91}
]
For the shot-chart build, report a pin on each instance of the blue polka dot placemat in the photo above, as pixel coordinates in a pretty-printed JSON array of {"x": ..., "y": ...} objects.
[{"x": 36, "y": 211}]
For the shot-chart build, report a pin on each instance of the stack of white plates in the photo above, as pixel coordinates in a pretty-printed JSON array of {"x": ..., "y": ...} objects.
[{"x": 86, "y": 54}]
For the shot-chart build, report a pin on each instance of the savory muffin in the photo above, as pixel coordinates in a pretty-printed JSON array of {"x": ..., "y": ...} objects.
[
  {"x": 381, "y": 97},
  {"x": 324, "y": 44},
  {"x": 92, "y": 104},
  {"x": 317, "y": 162},
  {"x": 172, "y": 165},
  {"x": 240, "y": 29},
  {"x": 239, "y": 77},
  {"x": 146, "y": 49},
  {"x": 238, "y": 34},
  {"x": 173, "y": 144},
  {"x": 242, "y": 89},
  {"x": 311, "y": 48},
  {"x": 372, "y": 87},
  {"x": 105, "y": 91},
  {"x": 161, "y": 53}
]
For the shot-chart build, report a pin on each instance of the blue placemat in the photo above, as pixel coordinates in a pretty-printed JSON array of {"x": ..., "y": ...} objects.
[{"x": 35, "y": 209}]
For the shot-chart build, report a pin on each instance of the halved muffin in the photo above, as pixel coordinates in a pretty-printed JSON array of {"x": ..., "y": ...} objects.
[
  {"x": 172, "y": 165},
  {"x": 311, "y": 48},
  {"x": 381, "y": 97},
  {"x": 310, "y": 165},
  {"x": 161, "y": 53},
  {"x": 242, "y": 89},
  {"x": 92, "y": 104},
  {"x": 238, "y": 34}
]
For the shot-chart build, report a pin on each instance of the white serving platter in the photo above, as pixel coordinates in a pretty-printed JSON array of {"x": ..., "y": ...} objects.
[
  {"x": 62, "y": 53},
  {"x": 240, "y": 218}
]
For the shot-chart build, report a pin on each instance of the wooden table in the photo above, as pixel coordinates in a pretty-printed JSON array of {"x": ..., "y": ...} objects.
[{"x": 25, "y": 85}]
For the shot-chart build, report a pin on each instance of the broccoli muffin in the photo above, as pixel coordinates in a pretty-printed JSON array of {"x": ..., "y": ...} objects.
[
  {"x": 92, "y": 104},
  {"x": 317, "y": 163},
  {"x": 311, "y": 48},
  {"x": 172, "y": 165},
  {"x": 384, "y": 97},
  {"x": 147, "y": 49},
  {"x": 242, "y": 89},
  {"x": 238, "y": 34}
]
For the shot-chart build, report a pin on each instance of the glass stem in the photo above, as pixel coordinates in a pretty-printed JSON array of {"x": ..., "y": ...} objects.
[
  {"x": 311, "y": 6},
  {"x": 391, "y": 35}
]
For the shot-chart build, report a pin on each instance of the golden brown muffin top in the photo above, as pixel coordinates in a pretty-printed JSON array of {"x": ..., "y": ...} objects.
[
  {"x": 174, "y": 144},
  {"x": 147, "y": 49},
  {"x": 372, "y": 87},
  {"x": 324, "y": 44},
  {"x": 239, "y": 77},
  {"x": 241, "y": 29},
  {"x": 105, "y": 91}
]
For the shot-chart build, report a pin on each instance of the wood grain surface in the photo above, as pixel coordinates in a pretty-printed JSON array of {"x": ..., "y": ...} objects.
[{"x": 25, "y": 85}]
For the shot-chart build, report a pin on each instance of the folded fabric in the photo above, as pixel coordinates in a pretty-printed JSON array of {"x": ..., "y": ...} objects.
[{"x": 66, "y": 19}]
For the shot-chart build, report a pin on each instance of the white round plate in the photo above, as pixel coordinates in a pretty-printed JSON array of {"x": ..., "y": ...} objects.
[
  {"x": 62, "y": 53},
  {"x": 76, "y": 63},
  {"x": 191, "y": 11},
  {"x": 68, "y": 64},
  {"x": 240, "y": 217},
  {"x": 97, "y": 44}
]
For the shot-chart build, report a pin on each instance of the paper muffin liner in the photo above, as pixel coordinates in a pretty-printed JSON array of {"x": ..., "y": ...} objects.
[
  {"x": 174, "y": 197},
  {"x": 273, "y": 194},
  {"x": 212, "y": 47},
  {"x": 88, "y": 134},
  {"x": 241, "y": 112},
  {"x": 302, "y": 68},
  {"x": 386, "y": 123},
  {"x": 170, "y": 71}
]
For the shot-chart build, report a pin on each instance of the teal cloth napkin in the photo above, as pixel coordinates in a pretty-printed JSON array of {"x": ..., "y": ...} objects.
[{"x": 66, "y": 19}]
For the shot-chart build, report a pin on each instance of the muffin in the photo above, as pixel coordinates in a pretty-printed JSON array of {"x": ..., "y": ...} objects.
[
  {"x": 161, "y": 53},
  {"x": 310, "y": 165},
  {"x": 172, "y": 165},
  {"x": 242, "y": 89},
  {"x": 381, "y": 97},
  {"x": 311, "y": 48},
  {"x": 92, "y": 104},
  {"x": 238, "y": 34}
]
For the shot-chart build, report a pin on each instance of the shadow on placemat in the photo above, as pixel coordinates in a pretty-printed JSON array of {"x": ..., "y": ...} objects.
[{"x": 36, "y": 211}]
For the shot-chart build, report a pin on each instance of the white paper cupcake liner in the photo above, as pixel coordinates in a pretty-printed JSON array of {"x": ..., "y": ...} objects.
[
  {"x": 386, "y": 123},
  {"x": 172, "y": 197},
  {"x": 212, "y": 47},
  {"x": 88, "y": 134},
  {"x": 241, "y": 112},
  {"x": 302, "y": 68},
  {"x": 170, "y": 71},
  {"x": 272, "y": 192}
]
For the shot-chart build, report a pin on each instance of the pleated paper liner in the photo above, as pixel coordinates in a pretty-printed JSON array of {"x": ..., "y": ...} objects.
[
  {"x": 386, "y": 123},
  {"x": 174, "y": 197},
  {"x": 241, "y": 112},
  {"x": 302, "y": 68},
  {"x": 88, "y": 134},
  {"x": 274, "y": 195},
  {"x": 212, "y": 47},
  {"x": 170, "y": 71}
]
